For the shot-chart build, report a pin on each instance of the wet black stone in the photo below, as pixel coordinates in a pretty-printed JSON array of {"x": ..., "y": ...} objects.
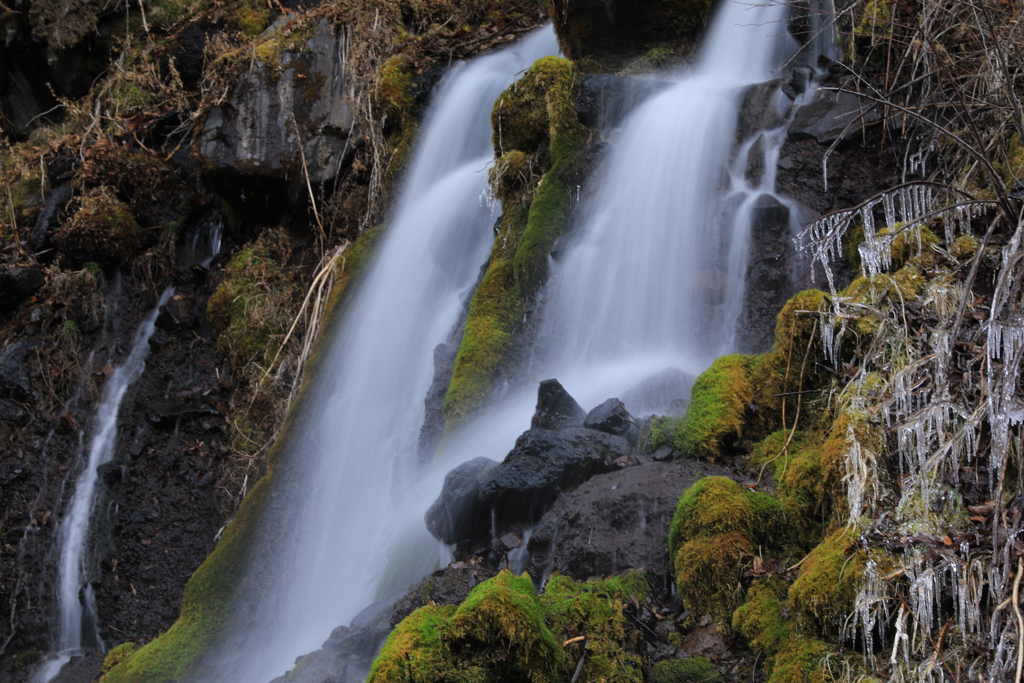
[{"x": 556, "y": 409}]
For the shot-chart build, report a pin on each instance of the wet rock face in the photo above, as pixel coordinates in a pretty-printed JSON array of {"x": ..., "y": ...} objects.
[
  {"x": 613, "y": 522},
  {"x": 604, "y": 100},
  {"x": 542, "y": 464},
  {"x": 556, "y": 409},
  {"x": 768, "y": 274},
  {"x": 17, "y": 284},
  {"x": 458, "y": 514},
  {"x": 832, "y": 116},
  {"x": 249, "y": 148},
  {"x": 603, "y": 28}
]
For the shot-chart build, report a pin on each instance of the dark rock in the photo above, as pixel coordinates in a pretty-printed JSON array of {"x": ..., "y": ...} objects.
[
  {"x": 18, "y": 284},
  {"x": 611, "y": 417},
  {"x": 754, "y": 172},
  {"x": 799, "y": 81},
  {"x": 764, "y": 107},
  {"x": 768, "y": 277},
  {"x": 556, "y": 409},
  {"x": 14, "y": 375},
  {"x": 614, "y": 522},
  {"x": 81, "y": 669},
  {"x": 542, "y": 464},
  {"x": 604, "y": 100},
  {"x": 191, "y": 276},
  {"x": 457, "y": 514},
  {"x": 663, "y": 454},
  {"x": 48, "y": 221},
  {"x": 249, "y": 146},
  {"x": 708, "y": 641},
  {"x": 11, "y": 412},
  {"x": 603, "y": 28},
  {"x": 170, "y": 413},
  {"x": 831, "y": 117},
  {"x": 801, "y": 24},
  {"x": 110, "y": 472},
  {"x": 432, "y": 430},
  {"x": 448, "y": 586},
  {"x": 348, "y": 652},
  {"x": 176, "y": 315}
]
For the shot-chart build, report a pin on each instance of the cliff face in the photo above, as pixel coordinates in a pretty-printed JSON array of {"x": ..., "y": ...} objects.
[{"x": 877, "y": 439}]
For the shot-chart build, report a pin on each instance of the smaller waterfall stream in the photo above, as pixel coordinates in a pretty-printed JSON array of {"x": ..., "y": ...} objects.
[
  {"x": 77, "y": 624},
  {"x": 354, "y": 460}
]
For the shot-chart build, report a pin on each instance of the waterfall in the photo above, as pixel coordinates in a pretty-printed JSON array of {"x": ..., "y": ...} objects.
[
  {"x": 353, "y": 460},
  {"x": 75, "y": 599},
  {"x": 649, "y": 290},
  {"x": 652, "y": 289}
]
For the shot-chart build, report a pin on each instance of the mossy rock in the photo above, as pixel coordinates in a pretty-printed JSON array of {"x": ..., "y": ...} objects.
[
  {"x": 762, "y": 618},
  {"x": 537, "y": 137},
  {"x": 498, "y": 633},
  {"x": 964, "y": 247},
  {"x": 716, "y": 529},
  {"x": 802, "y": 486},
  {"x": 686, "y": 670},
  {"x": 414, "y": 651},
  {"x": 595, "y": 609},
  {"x": 825, "y": 590},
  {"x": 394, "y": 104},
  {"x": 117, "y": 655},
  {"x": 715, "y": 418},
  {"x": 255, "y": 303},
  {"x": 716, "y": 505},
  {"x": 103, "y": 229},
  {"x": 801, "y": 662},
  {"x": 503, "y": 631}
]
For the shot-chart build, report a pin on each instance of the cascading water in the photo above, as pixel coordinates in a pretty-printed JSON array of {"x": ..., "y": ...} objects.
[
  {"x": 653, "y": 288},
  {"x": 75, "y": 599},
  {"x": 357, "y": 451}
]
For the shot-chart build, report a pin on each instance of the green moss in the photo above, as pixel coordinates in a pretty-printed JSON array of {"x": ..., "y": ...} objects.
[
  {"x": 394, "y": 102},
  {"x": 716, "y": 529},
  {"x": 801, "y": 484},
  {"x": 118, "y": 655},
  {"x": 964, "y": 247},
  {"x": 502, "y": 624},
  {"x": 830, "y": 575},
  {"x": 714, "y": 419},
  {"x": 103, "y": 229},
  {"x": 126, "y": 97},
  {"x": 908, "y": 242},
  {"x": 1011, "y": 167},
  {"x": 414, "y": 651},
  {"x": 255, "y": 303},
  {"x": 708, "y": 573},
  {"x": 686, "y": 670},
  {"x": 595, "y": 610},
  {"x": 498, "y": 633},
  {"x": 535, "y": 130},
  {"x": 762, "y": 618},
  {"x": 801, "y": 662}
]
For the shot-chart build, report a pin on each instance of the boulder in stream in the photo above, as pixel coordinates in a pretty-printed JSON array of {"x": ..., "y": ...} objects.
[{"x": 458, "y": 514}]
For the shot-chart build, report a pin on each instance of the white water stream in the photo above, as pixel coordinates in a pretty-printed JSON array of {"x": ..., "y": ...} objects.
[
  {"x": 653, "y": 288},
  {"x": 75, "y": 599},
  {"x": 358, "y": 440}
]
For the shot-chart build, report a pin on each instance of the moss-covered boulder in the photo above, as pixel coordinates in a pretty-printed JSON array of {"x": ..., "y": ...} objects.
[
  {"x": 505, "y": 632},
  {"x": 827, "y": 585},
  {"x": 103, "y": 230},
  {"x": 714, "y": 420},
  {"x": 716, "y": 529},
  {"x": 537, "y": 138},
  {"x": 497, "y": 634},
  {"x": 590, "y": 29}
]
